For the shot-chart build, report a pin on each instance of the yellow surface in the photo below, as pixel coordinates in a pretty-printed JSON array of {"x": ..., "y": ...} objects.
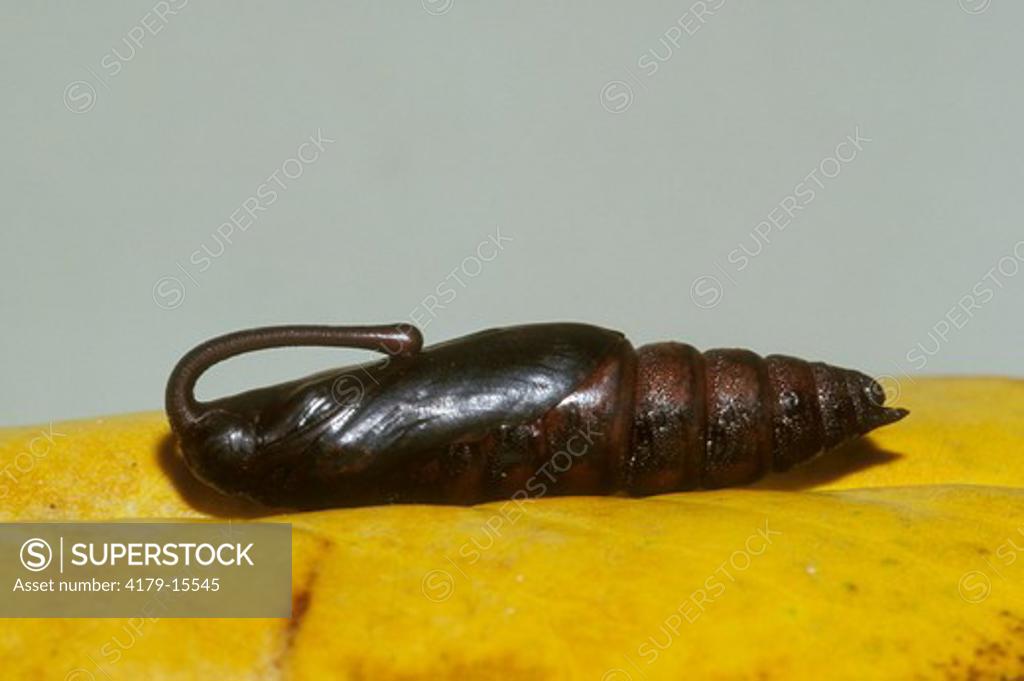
[{"x": 896, "y": 557}]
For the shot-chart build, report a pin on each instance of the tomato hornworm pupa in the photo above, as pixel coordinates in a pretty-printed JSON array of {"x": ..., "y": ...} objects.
[{"x": 475, "y": 418}]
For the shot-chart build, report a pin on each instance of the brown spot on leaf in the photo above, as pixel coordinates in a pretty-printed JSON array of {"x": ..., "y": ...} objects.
[
  {"x": 989, "y": 658},
  {"x": 499, "y": 667},
  {"x": 302, "y": 600}
]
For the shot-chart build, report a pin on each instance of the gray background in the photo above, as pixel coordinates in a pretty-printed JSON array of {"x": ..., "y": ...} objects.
[{"x": 619, "y": 185}]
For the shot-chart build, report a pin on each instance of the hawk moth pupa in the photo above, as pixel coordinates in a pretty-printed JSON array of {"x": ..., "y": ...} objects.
[{"x": 476, "y": 418}]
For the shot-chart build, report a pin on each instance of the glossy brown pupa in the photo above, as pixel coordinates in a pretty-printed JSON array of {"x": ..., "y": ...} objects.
[{"x": 556, "y": 408}]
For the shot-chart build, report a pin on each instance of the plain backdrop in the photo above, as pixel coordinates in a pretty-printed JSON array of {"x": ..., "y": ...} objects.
[{"x": 673, "y": 170}]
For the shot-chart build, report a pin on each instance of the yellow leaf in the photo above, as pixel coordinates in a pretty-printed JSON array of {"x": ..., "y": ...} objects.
[{"x": 897, "y": 557}]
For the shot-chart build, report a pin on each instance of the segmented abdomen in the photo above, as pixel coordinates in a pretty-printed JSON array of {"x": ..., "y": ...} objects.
[
  {"x": 662, "y": 418},
  {"x": 728, "y": 417}
]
